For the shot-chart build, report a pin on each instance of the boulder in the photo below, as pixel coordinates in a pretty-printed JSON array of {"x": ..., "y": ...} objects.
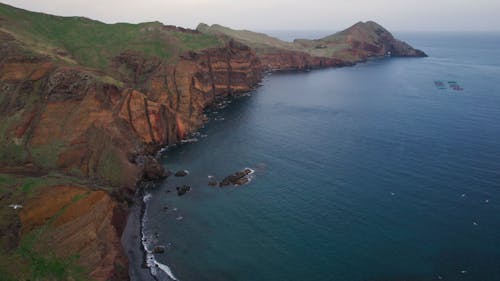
[{"x": 181, "y": 173}]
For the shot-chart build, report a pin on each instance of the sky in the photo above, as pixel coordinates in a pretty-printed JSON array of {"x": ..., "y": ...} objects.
[{"x": 262, "y": 15}]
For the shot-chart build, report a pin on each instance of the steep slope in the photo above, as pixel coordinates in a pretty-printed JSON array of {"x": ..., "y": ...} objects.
[{"x": 355, "y": 44}]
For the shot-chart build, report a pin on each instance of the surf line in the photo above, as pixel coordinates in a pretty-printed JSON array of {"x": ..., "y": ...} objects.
[{"x": 149, "y": 257}]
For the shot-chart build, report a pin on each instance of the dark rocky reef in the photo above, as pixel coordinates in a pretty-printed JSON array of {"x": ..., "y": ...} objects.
[{"x": 238, "y": 178}]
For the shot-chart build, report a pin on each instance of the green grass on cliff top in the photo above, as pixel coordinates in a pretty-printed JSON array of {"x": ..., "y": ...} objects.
[
  {"x": 93, "y": 43},
  {"x": 259, "y": 41}
]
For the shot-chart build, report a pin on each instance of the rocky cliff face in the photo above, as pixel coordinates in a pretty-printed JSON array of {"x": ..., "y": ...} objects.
[
  {"x": 292, "y": 60},
  {"x": 84, "y": 124}
]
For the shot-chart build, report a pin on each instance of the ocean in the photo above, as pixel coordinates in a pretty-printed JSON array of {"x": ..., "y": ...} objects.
[{"x": 364, "y": 173}]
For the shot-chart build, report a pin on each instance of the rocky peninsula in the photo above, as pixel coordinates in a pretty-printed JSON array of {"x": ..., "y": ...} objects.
[{"x": 85, "y": 107}]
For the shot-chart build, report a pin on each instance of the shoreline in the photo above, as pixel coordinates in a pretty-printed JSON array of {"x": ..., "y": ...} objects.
[
  {"x": 133, "y": 236},
  {"x": 131, "y": 240},
  {"x": 142, "y": 264}
]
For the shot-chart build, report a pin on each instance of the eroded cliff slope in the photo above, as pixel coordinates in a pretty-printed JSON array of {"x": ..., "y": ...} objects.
[{"x": 79, "y": 128}]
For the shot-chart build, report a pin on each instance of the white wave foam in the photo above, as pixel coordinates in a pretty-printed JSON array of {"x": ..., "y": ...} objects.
[
  {"x": 166, "y": 269},
  {"x": 147, "y": 197},
  {"x": 252, "y": 171},
  {"x": 146, "y": 243},
  {"x": 191, "y": 140}
]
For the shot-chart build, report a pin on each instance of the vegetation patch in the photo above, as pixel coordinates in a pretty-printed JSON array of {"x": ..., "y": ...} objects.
[
  {"x": 110, "y": 167},
  {"x": 93, "y": 43},
  {"x": 47, "y": 155}
]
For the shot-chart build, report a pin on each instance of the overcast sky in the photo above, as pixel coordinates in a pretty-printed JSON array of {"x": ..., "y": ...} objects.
[{"x": 396, "y": 15}]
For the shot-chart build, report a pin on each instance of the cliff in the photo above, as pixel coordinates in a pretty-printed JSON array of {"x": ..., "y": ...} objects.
[
  {"x": 77, "y": 134},
  {"x": 84, "y": 107}
]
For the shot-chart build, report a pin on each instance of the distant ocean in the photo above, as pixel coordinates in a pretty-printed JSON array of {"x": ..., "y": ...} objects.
[{"x": 364, "y": 173}]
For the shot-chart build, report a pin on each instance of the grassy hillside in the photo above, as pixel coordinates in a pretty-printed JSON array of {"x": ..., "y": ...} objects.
[
  {"x": 23, "y": 263},
  {"x": 259, "y": 41},
  {"x": 92, "y": 43}
]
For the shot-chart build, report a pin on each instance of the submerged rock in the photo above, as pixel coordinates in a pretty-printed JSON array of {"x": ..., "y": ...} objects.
[{"x": 183, "y": 189}]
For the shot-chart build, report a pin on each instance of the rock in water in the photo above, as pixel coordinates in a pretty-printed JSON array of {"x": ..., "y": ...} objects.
[
  {"x": 181, "y": 173},
  {"x": 238, "y": 178},
  {"x": 159, "y": 249},
  {"x": 183, "y": 189}
]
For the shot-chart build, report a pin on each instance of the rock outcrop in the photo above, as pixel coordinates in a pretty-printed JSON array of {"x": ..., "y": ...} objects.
[
  {"x": 293, "y": 60},
  {"x": 238, "y": 178}
]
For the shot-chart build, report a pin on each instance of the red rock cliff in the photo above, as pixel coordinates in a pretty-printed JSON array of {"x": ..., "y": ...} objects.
[
  {"x": 84, "y": 124},
  {"x": 291, "y": 60}
]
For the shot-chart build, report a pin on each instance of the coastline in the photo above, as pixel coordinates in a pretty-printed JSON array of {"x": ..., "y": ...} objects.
[
  {"x": 394, "y": 197},
  {"x": 135, "y": 242},
  {"x": 131, "y": 241},
  {"x": 141, "y": 266}
]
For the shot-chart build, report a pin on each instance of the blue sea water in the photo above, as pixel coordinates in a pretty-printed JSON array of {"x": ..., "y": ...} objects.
[{"x": 362, "y": 173}]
